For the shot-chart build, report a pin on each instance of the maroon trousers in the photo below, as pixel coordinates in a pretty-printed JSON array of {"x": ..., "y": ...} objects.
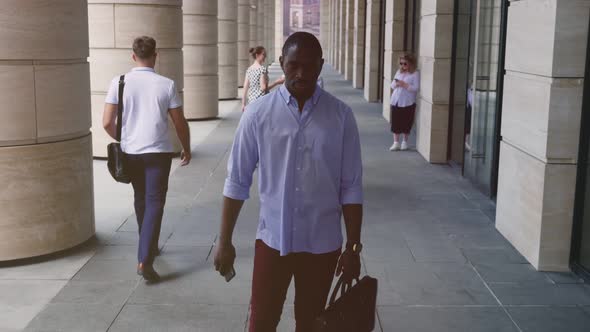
[
  {"x": 272, "y": 275},
  {"x": 402, "y": 118}
]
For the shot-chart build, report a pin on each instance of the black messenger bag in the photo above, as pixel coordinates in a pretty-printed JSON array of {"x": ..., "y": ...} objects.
[
  {"x": 354, "y": 311},
  {"x": 116, "y": 156}
]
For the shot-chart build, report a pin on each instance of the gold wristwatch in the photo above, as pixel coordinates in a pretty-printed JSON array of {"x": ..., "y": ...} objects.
[{"x": 355, "y": 247}]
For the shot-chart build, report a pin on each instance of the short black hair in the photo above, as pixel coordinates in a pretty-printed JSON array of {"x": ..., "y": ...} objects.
[
  {"x": 144, "y": 47},
  {"x": 304, "y": 39}
]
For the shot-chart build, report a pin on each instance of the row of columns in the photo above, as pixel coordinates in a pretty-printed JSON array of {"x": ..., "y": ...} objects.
[
  {"x": 350, "y": 37},
  {"x": 55, "y": 75}
]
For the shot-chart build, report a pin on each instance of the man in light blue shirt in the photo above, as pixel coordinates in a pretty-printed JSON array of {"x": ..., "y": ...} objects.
[{"x": 307, "y": 148}]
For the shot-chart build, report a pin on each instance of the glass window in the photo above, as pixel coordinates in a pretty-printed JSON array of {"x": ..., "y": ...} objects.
[{"x": 481, "y": 136}]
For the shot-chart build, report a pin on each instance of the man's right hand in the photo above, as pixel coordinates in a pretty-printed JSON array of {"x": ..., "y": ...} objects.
[
  {"x": 185, "y": 158},
  {"x": 224, "y": 258}
]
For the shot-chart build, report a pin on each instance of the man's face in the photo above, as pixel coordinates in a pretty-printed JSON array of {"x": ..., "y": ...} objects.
[{"x": 302, "y": 68}]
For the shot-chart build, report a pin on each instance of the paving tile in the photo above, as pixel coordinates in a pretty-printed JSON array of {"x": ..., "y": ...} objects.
[
  {"x": 74, "y": 317},
  {"x": 436, "y": 252},
  {"x": 511, "y": 273},
  {"x": 445, "y": 319},
  {"x": 494, "y": 256},
  {"x": 22, "y": 300},
  {"x": 112, "y": 270},
  {"x": 96, "y": 292},
  {"x": 564, "y": 278},
  {"x": 541, "y": 294},
  {"x": 487, "y": 238},
  {"x": 392, "y": 255},
  {"x": 186, "y": 253},
  {"x": 181, "y": 318},
  {"x": 195, "y": 282},
  {"x": 118, "y": 252},
  {"x": 430, "y": 284},
  {"x": 550, "y": 319}
]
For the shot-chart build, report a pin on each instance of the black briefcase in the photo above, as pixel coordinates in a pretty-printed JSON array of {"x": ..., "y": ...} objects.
[
  {"x": 115, "y": 155},
  {"x": 354, "y": 311}
]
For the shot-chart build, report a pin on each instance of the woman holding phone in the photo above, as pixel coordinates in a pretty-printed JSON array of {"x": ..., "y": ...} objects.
[{"x": 404, "y": 90}]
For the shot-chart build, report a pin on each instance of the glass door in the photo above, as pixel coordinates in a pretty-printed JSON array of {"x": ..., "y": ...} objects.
[
  {"x": 581, "y": 232},
  {"x": 484, "y": 94}
]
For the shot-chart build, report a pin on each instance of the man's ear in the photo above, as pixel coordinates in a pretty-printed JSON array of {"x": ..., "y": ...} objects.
[
  {"x": 281, "y": 60},
  {"x": 134, "y": 57}
]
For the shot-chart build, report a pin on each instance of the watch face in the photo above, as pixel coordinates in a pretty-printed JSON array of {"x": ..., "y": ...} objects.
[{"x": 357, "y": 248}]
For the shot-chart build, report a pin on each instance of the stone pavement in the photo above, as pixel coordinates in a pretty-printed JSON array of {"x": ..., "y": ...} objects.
[{"x": 428, "y": 237}]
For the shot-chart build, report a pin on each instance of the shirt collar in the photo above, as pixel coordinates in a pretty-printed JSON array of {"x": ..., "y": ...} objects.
[
  {"x": 143, "y": 69},
  {"x": 288, "y": 97}
]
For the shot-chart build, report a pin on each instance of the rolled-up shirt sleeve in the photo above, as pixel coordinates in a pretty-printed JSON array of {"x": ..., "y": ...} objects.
[
  {"x": 243, "y": 159},
  {"x": 351, "y": 186}
]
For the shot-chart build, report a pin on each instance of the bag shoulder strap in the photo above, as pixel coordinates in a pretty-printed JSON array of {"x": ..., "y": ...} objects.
[{"x": 120, "y": 107}]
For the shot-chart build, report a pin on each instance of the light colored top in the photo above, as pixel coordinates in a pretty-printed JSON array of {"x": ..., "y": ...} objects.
[
  {"x": 255, "y": 75},
  {"x": 405, "y": 97},
  {"x": 309, "y": 165},
  {"x": 147, "y": 97}
]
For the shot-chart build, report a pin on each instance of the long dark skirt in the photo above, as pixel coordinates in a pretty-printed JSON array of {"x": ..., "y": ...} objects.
[{"x": 402, "y": 119}]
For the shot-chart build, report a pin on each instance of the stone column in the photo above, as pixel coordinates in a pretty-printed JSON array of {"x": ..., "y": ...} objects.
[
  {"x": 342, "y": 37},
  {"x": 271, "y": 28},
  {"x": 200, "y": 59},
  {"x": 253, "y": 25},
  {"x": 333, "y": 52},
  {"x": 372, "y": 75},
  {"x": 393, "y": 47},
  {"x": 46, "y": 200},
  {"x": 543, "y": 90},
  {"x": 266, "y": 33},
  {"x": 243, "y": 39},
  {"x": 338, "y": 44},
  {"x": 348, "y": 38},
  {"x": 328, "y": 50},
  {"x": 278, "y": 33},
  {"x": 260, "y": 23},
  {"x": 434, "y": 63},
  {"x": 325, "y": 26},
  {"x": 227, "y": 16},
  {"x": 358, "y": 53},
  {"x": 113, "y": 25}
]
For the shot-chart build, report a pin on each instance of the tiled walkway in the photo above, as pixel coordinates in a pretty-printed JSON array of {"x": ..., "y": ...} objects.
[{"x": 429, "y": 238}]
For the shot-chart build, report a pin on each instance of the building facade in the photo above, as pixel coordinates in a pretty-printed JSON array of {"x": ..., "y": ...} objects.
[
  {"x": 303, "y": 15},
  {"x": 501, "y": 99}
]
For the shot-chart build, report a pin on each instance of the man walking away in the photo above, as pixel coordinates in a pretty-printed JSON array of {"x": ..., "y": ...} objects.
[
  {"x": 148, "y": 100},
  {"x": 306, "y": 144}
]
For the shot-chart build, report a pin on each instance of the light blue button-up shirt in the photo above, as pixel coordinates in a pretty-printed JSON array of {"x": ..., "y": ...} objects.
[{"x": 309, "y": 165}]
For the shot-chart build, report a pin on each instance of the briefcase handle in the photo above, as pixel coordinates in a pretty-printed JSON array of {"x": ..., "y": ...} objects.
[{"x": 343, "y": 286}]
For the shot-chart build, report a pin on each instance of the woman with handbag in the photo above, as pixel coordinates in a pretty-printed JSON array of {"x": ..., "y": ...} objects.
[
  {"x": 404, "y": 90},
  {"x": 256, "y": 81}
]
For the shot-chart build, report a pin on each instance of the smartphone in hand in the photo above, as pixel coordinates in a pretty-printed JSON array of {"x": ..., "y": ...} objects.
[{"x": 230, "y": 274}]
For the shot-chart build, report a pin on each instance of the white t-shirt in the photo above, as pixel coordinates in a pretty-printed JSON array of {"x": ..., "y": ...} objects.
[
  {"x": 405, "y": 97},
  {"x": 147, "y": 97}
]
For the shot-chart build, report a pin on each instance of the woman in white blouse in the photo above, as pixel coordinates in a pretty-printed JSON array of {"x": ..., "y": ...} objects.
[{"x": 404, "y": 90}]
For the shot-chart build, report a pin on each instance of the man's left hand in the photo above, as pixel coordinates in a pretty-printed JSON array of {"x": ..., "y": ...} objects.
[{"x": 349, "y": 266}]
